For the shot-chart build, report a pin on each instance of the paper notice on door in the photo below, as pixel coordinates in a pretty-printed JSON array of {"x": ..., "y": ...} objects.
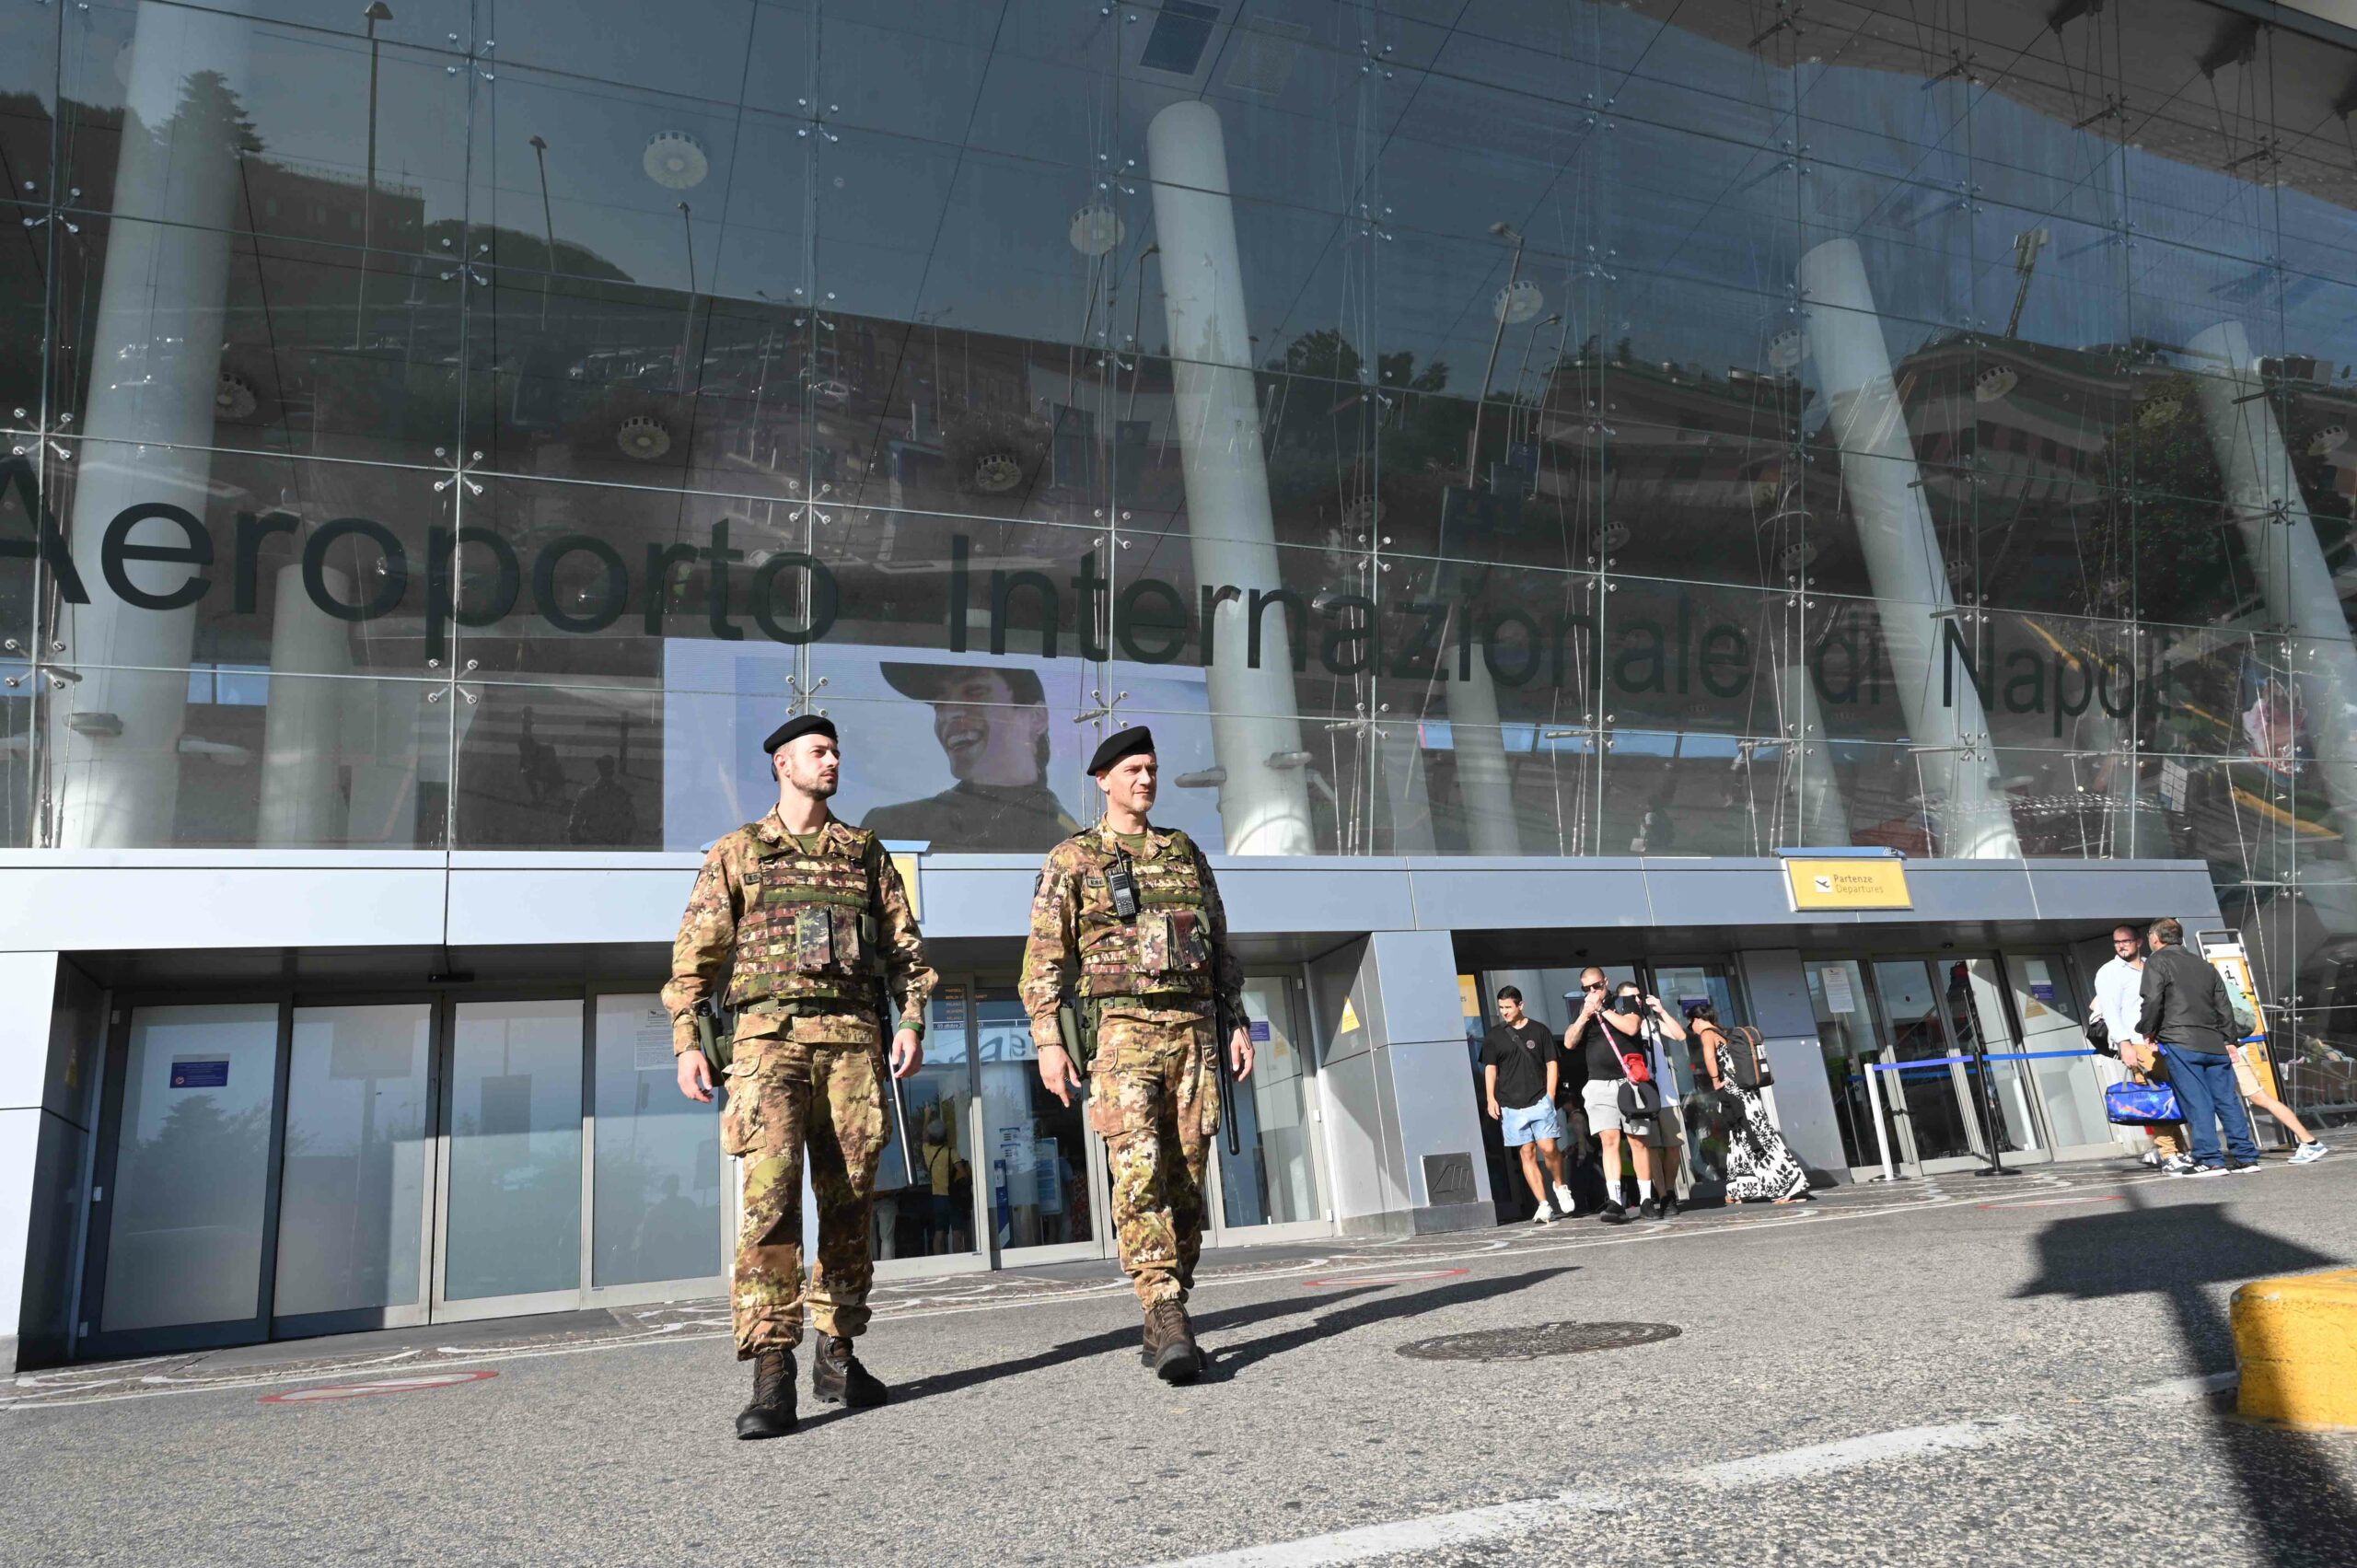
[
  {"x": 1839, "y": 998},
  {"x": 651, "y": 1043},
  {"x": 2041, "y": 980}
]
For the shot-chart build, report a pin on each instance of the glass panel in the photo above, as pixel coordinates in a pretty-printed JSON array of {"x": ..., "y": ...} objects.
[
  {"x": 1931, "y": 1095},
  {"x": 513, "y": 1223},
  {"x": 1845, "y": 1033},
  {"x": 1274, "y": 1178},
  {"x": 192, "y": 1169},
  {"x": 937, "y": 1216},
  {"x": 1977, "y": 1019},
  {"x": 2069, "y": 1087},
  {"x": 352, "y": 1201},
  {"x": 1035, "y": 1149},
  {"x": 657, "y": 1178}
]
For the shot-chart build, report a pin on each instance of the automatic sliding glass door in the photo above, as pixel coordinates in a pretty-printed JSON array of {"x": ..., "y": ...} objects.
[
  {"x": 511, "y": 1215},
  {"x": 351, "y": 1206}
]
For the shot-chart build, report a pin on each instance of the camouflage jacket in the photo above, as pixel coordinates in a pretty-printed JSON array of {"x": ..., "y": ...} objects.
[
  {"x": 1072, "y": 914},
  {"x": 704, "y": 955}
]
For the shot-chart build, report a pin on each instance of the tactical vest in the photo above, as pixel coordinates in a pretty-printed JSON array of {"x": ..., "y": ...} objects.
[
  {"x": 1166, "y": 951},
  {"x": 808, "y": 927}
]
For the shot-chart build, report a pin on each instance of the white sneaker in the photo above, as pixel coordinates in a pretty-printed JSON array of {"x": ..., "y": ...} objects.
[
  {"x": 1545, "y": 1217},
  {"x": 1564, "y": 1201},
  {"x": 2309, "y": 1153},
  {"x": 2151, "y": 1158}
]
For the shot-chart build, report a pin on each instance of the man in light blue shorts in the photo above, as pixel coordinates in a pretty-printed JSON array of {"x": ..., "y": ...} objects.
[{"x": 1518, "y": 1068}]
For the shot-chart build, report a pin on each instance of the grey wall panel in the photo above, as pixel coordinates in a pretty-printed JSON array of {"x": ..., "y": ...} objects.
[
  {"x": 977, "y": 896},
  {"x": 1335, "y": 981},
  {"x": 1778, "y": 992},
  {"x": 1958, "y": 891},
  {"x": 490, "y": 908},
  {"x": 2132, "y": 890},
  {"x": 1531, "y": 894},
  {"x": 1718, "y": 892},
  {"x": 1417, "y": 973},
  {"x": 1360, "y": 1148},
  {"x": 1434, "y": 1086},
  {"x": 1324, "y": 894},
  {"x": 68, "y": 907}
]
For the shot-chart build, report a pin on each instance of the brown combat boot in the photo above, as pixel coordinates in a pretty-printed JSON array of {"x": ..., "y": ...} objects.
[
  {"x": 1170, "y": 1348},
  {"x": 838, "y": 1379},
  {"x": 772, "y": 1412}
]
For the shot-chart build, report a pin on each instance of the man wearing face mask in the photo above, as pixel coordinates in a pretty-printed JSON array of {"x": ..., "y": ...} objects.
[
  {"x": 1156, "y": 997},
  {"x": 1612, "y": 1027},
  {"x": 801, "y": 918}
]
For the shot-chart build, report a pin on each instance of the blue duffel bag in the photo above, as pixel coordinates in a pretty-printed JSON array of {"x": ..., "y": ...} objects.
[{"x": 2134, "y": 1105}]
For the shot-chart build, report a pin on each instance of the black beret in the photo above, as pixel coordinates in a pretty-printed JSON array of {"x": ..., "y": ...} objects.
[
  {"x": 796, "y": 729},
  {"x": 1119, "y": 744}
]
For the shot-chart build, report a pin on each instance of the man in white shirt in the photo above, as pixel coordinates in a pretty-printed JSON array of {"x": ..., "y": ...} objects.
[{"x": 2120, "y": 1003}]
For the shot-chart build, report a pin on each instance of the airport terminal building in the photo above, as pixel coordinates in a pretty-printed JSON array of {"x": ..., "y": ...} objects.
[{"x": 1820, "y": 510}]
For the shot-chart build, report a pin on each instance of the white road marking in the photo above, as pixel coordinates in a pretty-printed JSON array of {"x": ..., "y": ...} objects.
[
  {"x": 1821, "y": 1459},
  {"x": 1435, "y": 1531},
  {"x": 1465, "y": 1527}
]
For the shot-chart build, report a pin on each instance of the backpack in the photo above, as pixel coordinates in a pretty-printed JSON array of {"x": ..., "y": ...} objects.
[{"x": 1747, "y": 1060}]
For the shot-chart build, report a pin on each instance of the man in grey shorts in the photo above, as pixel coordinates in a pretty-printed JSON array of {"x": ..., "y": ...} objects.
[{"x": 1604, "y": 1028}]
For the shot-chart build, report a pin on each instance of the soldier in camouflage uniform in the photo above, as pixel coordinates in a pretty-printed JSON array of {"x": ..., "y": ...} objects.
[
  {"x": 807, "y": 922},
  {"x": 1127, "y": 922}
]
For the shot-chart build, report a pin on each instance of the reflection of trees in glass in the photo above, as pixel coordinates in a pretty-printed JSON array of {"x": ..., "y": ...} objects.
[{"x": 202, "y": 1168}]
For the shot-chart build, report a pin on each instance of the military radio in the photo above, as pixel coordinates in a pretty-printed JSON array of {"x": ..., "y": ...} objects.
[{"x": 1121, "y": 882}]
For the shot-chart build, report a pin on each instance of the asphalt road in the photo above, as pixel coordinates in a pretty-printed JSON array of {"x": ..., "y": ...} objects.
[{"x": 1907, "y": 1376}]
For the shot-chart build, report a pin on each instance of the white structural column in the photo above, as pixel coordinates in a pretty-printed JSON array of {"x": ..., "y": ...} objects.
[
  {"x": 1479, "y": 742},
  {"x": 1256, "y": 722},
  {"x": 1820, "y": 818},
  {"x": 2280, "y": 540},
  {"x": 1902, "y": 550},
  {"x": 155, "y": 350},
  {"x": 302, "y": 803}
]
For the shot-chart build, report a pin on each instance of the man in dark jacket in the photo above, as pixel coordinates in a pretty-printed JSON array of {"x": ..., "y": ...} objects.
[{"x": 2188, "y": 1012}]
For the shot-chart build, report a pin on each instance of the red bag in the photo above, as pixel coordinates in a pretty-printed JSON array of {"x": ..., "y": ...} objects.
[{"x": 1637, "y": 1065}]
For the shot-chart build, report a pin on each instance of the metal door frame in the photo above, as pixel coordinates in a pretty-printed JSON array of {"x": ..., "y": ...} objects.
[
  {"x": 977, "y": 1259},
  {"x": 1097, "y": 1171},
  {"x": 525, "y": 1303},
  {"x": 99, "y": 1233},
  {"x": 1294, "y": 984},
  {"x": 405, "y": 1315}
]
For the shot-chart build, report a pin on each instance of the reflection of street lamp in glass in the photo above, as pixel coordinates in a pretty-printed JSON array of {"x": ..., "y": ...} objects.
[
  {"x": 1510, "y": 301},
  {"x": 378, "y": 11},
  {"x": 548, "y": 226}
]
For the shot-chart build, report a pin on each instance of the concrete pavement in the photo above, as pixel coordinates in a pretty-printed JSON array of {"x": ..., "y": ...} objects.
[{"x": 1960, "y": 1371}]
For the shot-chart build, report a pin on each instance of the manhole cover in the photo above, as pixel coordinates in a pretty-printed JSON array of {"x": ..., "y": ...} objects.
[{"x": 1545, "y": 1339}]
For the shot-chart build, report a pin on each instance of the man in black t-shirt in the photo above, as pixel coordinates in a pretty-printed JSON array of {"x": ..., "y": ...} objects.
[{"x": 1518, "y": 1080}]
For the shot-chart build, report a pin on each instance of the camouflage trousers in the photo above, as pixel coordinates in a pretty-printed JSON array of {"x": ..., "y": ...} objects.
[
  {"x": 1153, "y": 1098},
  {"x": 786, "y": 1094}
]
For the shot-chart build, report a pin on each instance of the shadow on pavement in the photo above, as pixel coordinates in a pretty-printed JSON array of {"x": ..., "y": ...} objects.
[
  {"x": 1209, "y": 1325},
  {"x": 1226, "y": 1362},
  {"x": 2296, "y": 1503}
]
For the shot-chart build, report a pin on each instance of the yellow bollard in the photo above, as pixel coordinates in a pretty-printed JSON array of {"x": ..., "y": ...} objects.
[{"x": 2296, "y": 1340}]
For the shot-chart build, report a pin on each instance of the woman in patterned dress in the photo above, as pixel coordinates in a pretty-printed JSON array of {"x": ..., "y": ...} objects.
[{"x": 1759, "y": 1162}]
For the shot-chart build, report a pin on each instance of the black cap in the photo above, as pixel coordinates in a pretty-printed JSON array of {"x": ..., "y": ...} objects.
[
  {"x": 1119, "y": 744},
  {"x": 924, "y": 681},
  {"x": 796, "y": 729}
]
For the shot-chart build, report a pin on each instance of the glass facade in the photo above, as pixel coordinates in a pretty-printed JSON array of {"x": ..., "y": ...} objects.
[{"x": 1482, "y": 428}]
